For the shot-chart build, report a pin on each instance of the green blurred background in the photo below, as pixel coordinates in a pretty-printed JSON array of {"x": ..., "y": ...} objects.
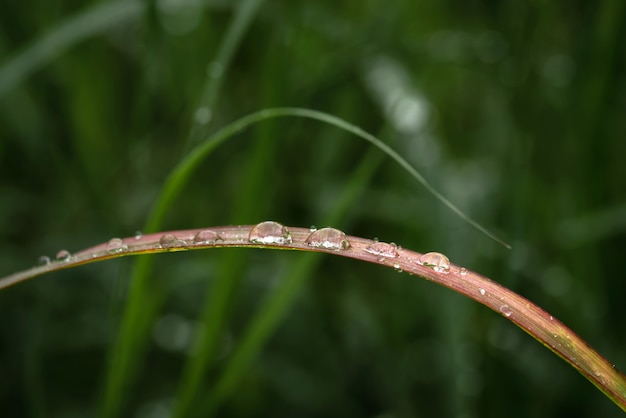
[{"x": 515, "y": 110}]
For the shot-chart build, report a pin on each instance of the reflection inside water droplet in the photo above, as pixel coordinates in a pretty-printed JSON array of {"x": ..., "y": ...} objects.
[
  {"x": 206, "y": 236},
  {"x": 435, "y": 261},
  {"x": 269, "y": 232},
  {"x": 116, "y": 245},
  {"x": 328, "y": 238},
  {"x": 383, "y": 249},
  {"x": 169, "y": 241}
]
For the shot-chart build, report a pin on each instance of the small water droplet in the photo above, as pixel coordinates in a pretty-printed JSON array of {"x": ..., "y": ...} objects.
[
  {"x": 435, "y": 261},
  {"x": 482, "y": 291},
  {"x": 206, "y": 236},
  {"x": 44, "y": 260},
  {"x": 138, "y": 235},
  {"x": 313, "y": 228},
  {"x": 270, "y": 232},
  {"x": 116, "y": 245},
  {"x": 169, "y": 241},
  {"x": 63, "y": 255},
  {"x": 397, "y": 268},
  {"x": 463, "y": 271},
  {"x": 383, "y": 249},
  {"x": 506, "y": 310},
  {"x": 551, "y": 318},
  {"x": 328, "y": 238}
]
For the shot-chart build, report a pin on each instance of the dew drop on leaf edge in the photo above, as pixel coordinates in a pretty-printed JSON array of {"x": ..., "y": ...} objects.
[
  {"x": 269, "y": 232},
  {"x": 383, "y": 249},
  {"x": 116, "y": 245},
  {"x": 206, "y": 236},
  {"x": 328, "y": 238},
  {"x": 169, "y": 241},
  {"x": 436, "y": 261},
  {"x": 506, "y": 310},
  {"x": 63, "y": 255}
]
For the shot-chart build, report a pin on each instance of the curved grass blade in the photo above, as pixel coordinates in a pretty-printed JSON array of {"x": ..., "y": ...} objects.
[
  {"x": 134, "y": 326},
  {"x": 92, "y": 22},
  {"x": 538, "y": 323}
]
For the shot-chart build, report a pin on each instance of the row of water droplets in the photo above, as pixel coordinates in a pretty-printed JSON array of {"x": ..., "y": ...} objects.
[
  {"x": 203, "y": 237},
  {"x": 274, "y": 233},
  {"x": 119, "y": 245},
  {"x": 271, "y": 232}
]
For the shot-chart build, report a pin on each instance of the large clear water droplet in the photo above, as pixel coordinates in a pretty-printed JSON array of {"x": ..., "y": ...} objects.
[
  {"x": 169, "y": 241},
  {"x": 328, "y": 238},
  {"x": 206, "y": 236},
  {"x": 63, "y": 255},
  {"x": 269, "y": 232},
  {"x": 435, "y": 261},
  {"x": 383, "y": 249},
  {"x": 116, "y": 245}
]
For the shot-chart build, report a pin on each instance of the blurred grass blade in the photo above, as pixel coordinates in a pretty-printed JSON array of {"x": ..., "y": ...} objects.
[
  {"x": 134, "y": 324},
  {"x": 279, "y": 302},
  {"x": 142, "y": 307},
  {"x": 92, "y": 22},
  {"x": 219, "y": 66}
]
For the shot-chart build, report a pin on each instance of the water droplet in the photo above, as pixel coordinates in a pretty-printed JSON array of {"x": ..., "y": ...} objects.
[
  {"x": 397, "y": 268},
  {"x": 138, "y": 235},
  {"x": 203, "y": 115},
  {"x": 463, "y": 271},
  {"x": 169, "y": 241},
  {"x": 206, "y": 237},
  {"x": 313, "y": 228},
  {"x": 328, "y": 238},
  {"x": 63, "y": 255},
  {"x": 435, "y": 261},
  {"x": 44, "y": 260},
  {"x": 482, "y": 291},
  {"x": 269, "y": 232},
  {"x": 375, "y": 239},
  {"x": 383, "y": 249},
  {"x": 116, "y": 245},
  {"x": 506, "y": 310},
  {"x": 551, "y": 318}
]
